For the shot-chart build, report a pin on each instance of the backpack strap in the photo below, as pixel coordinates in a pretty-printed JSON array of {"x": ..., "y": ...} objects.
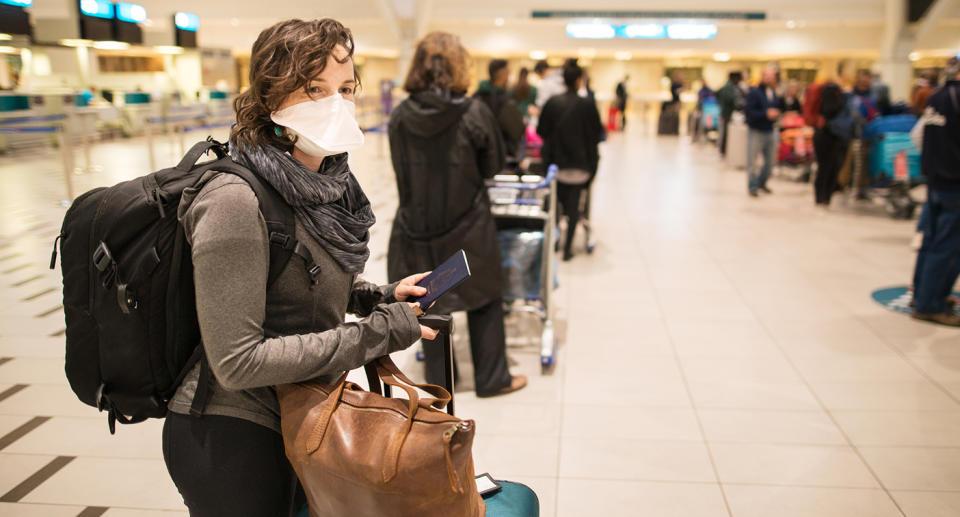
[
  {"x": 199, "y": 149},
  {"x": 281, "y": 223}
]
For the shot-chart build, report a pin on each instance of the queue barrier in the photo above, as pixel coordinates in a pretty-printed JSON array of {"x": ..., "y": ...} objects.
[
  {"x": 181, "y": 128},
  {"x": 54, "y": 125}
]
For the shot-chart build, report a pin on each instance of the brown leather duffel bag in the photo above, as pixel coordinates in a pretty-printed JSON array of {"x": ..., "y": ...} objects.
[{"x": 360, "y": 454}]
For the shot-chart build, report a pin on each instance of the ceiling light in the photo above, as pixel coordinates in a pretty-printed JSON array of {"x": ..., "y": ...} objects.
[
  {"x": 691, "y": 31},
  {"x": 591, "y": 31},
  {"x": 5, "y": 37},
  {"x": 791, "y": 24},
  {"x": 168, "y": 49},
  {"x": 9, "y": 50},
  {"x": 499, "y": 22},
  {"x": 623, "y": 55},
  {"x": 76, "y": 42},
  {"x": 538, "y": 54},
  {"x": 721, "y": 57},
  {"x": 587, "y": 53},
  {"x": 914, "y": 56},
  {"x": 643, "y": 31},
  {"x": 111, "y": 45}
]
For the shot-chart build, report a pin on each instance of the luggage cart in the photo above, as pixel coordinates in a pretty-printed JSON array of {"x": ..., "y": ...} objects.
[
  {"x": 891, "y": 162},
  {"x": 530, "y": 202},
  {"x": 795, "y": 156}
]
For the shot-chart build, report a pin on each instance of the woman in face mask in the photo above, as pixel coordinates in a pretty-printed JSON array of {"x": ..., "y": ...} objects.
[
  {"x": 443, "y": 145},
  {"x": 294, "y": 127}
]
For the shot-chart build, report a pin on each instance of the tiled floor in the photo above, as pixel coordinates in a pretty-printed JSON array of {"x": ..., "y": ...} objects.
[{"x": 720, "y": 356}]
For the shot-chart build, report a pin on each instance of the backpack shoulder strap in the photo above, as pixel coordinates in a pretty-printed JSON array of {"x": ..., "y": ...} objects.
[{"x": 279, "y": 216}]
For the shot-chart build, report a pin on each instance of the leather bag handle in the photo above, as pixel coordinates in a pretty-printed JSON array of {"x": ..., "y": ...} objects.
[
  {"x": 386, "y": 364},
  {"x": 320, "y": 427}
]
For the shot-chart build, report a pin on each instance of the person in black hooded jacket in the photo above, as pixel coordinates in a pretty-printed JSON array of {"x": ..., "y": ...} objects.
[
  {"x": 443, "y": 146},
  {"x": 571, "y": 130}
]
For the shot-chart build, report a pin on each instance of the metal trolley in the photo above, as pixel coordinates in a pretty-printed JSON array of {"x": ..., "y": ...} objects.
[{"x": 531, "y": 201}]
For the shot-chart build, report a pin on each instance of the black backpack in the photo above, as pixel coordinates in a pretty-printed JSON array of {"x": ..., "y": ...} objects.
[
  {"x": 128, "y": 294},
  {"x": 832, "y": 100}
]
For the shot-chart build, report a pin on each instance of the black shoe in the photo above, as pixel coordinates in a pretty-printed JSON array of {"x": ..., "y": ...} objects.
[
  {"x": 753, "y": 193},
  {"x": 765, "y": 190},
  {"x": 567, "y": 255}
]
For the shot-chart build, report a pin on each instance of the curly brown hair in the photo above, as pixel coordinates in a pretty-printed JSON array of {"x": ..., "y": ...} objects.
[
  {"x": 440, "y": 62},
  {"x": 285, "y": 58}
]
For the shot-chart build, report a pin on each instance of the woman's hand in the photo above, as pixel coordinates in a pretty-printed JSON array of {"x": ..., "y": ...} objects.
[
  {"x": 425, "y": 332},
  {"x": 408, "y": 288}
]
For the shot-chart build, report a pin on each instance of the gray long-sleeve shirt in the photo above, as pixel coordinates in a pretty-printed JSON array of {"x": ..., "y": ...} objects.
[{"x": 256, "y": 338}]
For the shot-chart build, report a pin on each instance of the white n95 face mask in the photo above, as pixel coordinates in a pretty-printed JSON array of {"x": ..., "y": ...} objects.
[{"x": 323, "y": 127}]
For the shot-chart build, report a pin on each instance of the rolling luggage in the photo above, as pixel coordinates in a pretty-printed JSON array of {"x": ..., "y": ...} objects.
[
  {"x": 737, "y": 143},
  {"x": 416, "y": 451},
  {"x": 669, "y": 120}
]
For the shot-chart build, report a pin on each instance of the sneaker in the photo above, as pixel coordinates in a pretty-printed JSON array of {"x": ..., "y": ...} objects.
[
  {"x": 766, "y": 190},
  {"x": 943, "y": 318}
]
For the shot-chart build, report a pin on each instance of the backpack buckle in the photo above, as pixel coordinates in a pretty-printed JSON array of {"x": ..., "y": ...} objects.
[
  {"x": 314, "y": 270},
  {"x": 280, "y": 238},
  {"x": 102, "y": 258}
]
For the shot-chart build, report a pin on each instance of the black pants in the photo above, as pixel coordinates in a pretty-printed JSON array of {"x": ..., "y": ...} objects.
[
  {"x": 724, "y": 126},
  {"x": 225, "y": 467},
  {"x": 568, "y": 197},
  {"x": 831, "y": 152},
  {"x": 488, "y": 347}
]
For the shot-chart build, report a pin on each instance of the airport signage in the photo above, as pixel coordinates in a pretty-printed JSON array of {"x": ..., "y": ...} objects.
[
  {"x": 678, "y": 31},
  {"x": 133, "y": 13},
  {"x": 97, "y": 8},
  {"x": 186, "y": 21}
]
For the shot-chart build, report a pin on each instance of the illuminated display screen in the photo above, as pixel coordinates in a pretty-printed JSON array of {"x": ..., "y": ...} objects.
[
  {"x": 133, "y": 13},
  {"x": 186, "y": 21},
  {"x": 97, "y": 8}
]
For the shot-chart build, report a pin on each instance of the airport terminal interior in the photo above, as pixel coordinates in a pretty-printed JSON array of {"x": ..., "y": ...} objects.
[{"x": 706, "y": 349}]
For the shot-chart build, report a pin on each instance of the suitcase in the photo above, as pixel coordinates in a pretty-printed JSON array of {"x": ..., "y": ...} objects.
[
  {"x": 737, "y": 144},
  {"x": 883, "y": 154},
  {"x": 669, "y": 121},
  {"x": 889, "y": 124},
  {"x": 512, "y": 499}
]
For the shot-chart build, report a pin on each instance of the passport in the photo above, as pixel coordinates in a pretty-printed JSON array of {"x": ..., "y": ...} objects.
[{"x": 443, "y": 279}]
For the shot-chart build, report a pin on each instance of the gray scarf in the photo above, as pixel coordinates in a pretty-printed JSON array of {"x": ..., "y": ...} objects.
[{"x": 329, "y": 203}]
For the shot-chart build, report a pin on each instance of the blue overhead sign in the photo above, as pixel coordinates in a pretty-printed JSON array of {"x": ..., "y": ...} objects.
[
  {"x": 97, "y": 8},
  {"x": 133, "y": 13},
  {"x": 186, "y": 21},
  {"x": 642, "y": 31},
  {"x": 18, "y": 3}
]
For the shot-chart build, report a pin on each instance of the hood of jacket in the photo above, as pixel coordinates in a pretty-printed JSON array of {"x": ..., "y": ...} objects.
[{"x": 429, "y": 113}]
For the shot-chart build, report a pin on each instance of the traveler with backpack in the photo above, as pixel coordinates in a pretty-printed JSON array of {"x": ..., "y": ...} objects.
[
  {"x": 493, "y": 93},
  {"x": 221, "y": 440},
  {"x": 938, "y": 262},
  {"x": 730, "y": 98},
  {"x": 443, "y": 145},
  {"x": 826, "y": 108}
]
